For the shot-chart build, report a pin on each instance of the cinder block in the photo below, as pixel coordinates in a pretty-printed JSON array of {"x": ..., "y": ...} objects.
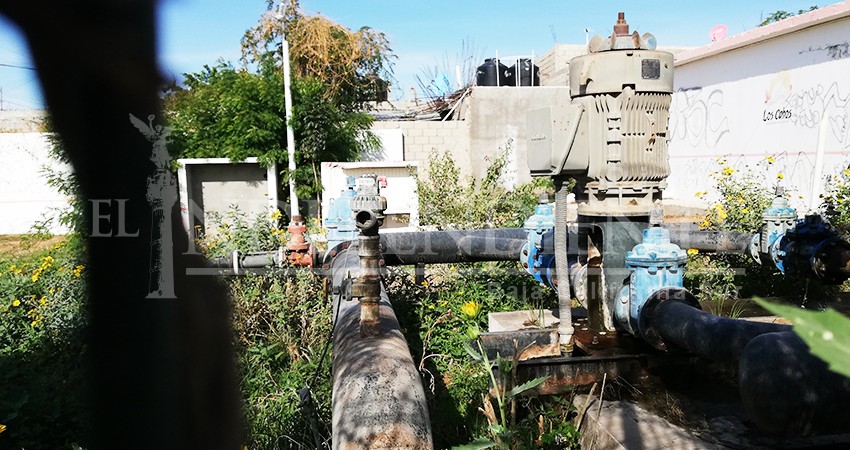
[
  {"x": 446, "y": 132},
  {"x": 420, "y": 140},
  {"x": 429, "y": 132},
  {"x": 435, "y": 140},
  {"x": 412, "y": 132}
]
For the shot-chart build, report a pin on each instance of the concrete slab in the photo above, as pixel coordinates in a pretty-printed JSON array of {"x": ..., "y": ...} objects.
[
  {"x": 521, "y": 320},
  {"x": 626, "y": 425}
]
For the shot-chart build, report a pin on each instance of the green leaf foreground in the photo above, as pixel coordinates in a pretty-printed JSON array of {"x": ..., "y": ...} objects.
[
  {"x": 478, "y": 444},
  {"x": 827, "y": 333},
  {"x": 528, "y": 385}
]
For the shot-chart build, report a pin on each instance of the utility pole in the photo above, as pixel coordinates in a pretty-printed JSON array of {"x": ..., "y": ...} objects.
[{"x": 297, "y": 247}]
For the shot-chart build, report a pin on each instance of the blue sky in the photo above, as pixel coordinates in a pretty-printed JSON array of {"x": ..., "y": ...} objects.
[{"x": 422, "y": 33}]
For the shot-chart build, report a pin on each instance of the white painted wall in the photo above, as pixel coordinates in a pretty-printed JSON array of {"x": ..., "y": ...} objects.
[
  {"x": 765, "y": 99},
  {"x": 25, "y": 197}
]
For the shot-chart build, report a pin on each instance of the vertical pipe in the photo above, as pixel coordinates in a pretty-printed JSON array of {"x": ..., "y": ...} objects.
[
  {"x": 295, "y": 215},
  {"x": 565, "y": 327},
  {"x": 817, "y": 183}
]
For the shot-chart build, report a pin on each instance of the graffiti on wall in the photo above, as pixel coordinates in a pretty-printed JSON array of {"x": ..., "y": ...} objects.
[
  {"x": 833, "y": 51},
  {"x": 807, "y": 107},
  {"x": 698, "y": 118}
]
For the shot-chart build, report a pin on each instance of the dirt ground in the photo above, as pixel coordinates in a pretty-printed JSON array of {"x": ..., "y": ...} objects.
[{"x": 21, "y": 245}]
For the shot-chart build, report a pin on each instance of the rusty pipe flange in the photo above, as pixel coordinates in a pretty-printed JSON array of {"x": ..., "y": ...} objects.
[{"x": 645, "y": 322}]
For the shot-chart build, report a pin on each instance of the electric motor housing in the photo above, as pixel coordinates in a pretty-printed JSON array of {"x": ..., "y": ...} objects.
[{"x": 612, "y": 137}]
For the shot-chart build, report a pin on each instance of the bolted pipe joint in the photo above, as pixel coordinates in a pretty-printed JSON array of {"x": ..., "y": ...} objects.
[
  {"x": 368, "y": 208},
  {"x": 813, "y": 249}
]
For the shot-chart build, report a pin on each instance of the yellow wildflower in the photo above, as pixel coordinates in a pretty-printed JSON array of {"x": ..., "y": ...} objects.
[
  {"x": 2, "y": 428},
  {"x": 425, "y": 283},
  {"x": 275, "y": 215},
  {"x": 13, "y": 267},
  {"x": 770, "y": 159},
  {"x": 452, "y": 268},
  {"x": 780, "y": 175},
  {"x": 16, "y": 303},
  {"x": 728, "y": 171},
  {"x": 470, "y": 309},
  {"x": 78, "y": 270},
  {"x": 721, "y": 213},
  {"x": 847, "y": 171},
  {"x": 745, "y": 210},
  {"x": 43, "y": 300},
  {"x": 692, "y": 251}
]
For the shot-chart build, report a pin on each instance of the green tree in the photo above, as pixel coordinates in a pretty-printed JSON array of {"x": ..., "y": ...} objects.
[
  {"x": 776, "y": 16},
  {"x": 238, "y": 112}
]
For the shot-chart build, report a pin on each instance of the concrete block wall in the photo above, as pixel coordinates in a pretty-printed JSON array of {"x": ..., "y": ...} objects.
[{"x": 423, "y": 137}]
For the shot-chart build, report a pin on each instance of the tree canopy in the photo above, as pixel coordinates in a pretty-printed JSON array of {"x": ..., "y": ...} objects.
[
  {"x": 776, "y": 16},
  {"x": 238, "y": 112}
]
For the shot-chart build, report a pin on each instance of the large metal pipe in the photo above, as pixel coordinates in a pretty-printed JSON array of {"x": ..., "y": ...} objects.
[
  {"x": 378, "y": 399},
  {"x": 714, "y": 337},
  {"x": 789, "y": 392},
  {"x": 784, "y": 388},
  {"x": 711, "y": 241},
  {"x": 446, "y": 247}
]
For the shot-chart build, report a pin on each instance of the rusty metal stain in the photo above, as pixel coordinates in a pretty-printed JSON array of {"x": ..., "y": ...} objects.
[
  {"x": 532, "y": 343},
  {"x": 566, "y": 373}
]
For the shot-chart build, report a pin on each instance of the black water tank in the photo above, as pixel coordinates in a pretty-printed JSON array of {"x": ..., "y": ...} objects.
[
  {"x": 491, "y": 73},
  {"x": 528, "y": 73}
]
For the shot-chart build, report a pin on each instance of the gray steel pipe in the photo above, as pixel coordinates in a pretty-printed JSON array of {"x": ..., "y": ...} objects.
[
  {"x": 446, "y": 247},
  {"x": 378, "y": 399},
  {"x": 711, "y": 241}
]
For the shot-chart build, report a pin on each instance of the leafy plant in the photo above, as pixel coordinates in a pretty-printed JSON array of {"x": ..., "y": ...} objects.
[
  {"x": 505, "y": 391},
  {"x": 827, "y": 333},
  {"x": 744, "y": 195},
  {"x": 43, "y": 320},
  {"x": 350, "y": 64},
  {"x": 449, "y": 201},
  {"x": 835, "y": 203},
  {"x": 776, "y": 16},
  {"x": 712, "y": 280}
]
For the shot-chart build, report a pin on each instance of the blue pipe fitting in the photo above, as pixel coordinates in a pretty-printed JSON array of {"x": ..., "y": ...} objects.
[
  {"x": 340, "y": 220},
  {"x": 656, "y": 264},
  {"x": 777, "y": 220},
  {"x": 797, "y": 250},
  {"x": 541, "y": 266},
  {"x": 540, "y": 222}
]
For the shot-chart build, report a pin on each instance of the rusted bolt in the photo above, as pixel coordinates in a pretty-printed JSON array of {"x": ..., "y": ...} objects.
[
  {"x": 525, "y": 265},
  {"x": 525, "y": 252},
  {"x": 333, "y": 253},
  {"x": 326, "y": 266}
]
